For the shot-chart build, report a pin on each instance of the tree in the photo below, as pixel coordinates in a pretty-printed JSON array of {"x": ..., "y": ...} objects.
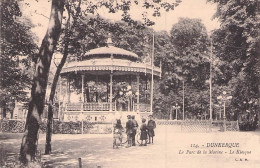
[
  {"x": 189, "y": 37},
  {"x": 185, "y": 60},
  {"x": 236, "y": 41},
  {"x": 36, "y": 104},
  {"x": 18, "y": 48}
]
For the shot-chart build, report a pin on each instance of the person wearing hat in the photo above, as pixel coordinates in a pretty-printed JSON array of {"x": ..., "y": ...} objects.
[
  {"x": 135, "y": 126},
  {"x": 129, "y": 130},
  {"x": 151, "y": 125},
  {"x": 143, "y": 136}
]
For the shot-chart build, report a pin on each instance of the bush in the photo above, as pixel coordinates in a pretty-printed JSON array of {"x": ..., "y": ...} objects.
[
  {"x": 14, "y": 126},
  {"x": 59, "y": 127},
  {"x": 248, "y": 125}
]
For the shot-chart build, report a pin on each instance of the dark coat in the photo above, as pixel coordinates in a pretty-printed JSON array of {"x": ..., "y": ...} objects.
[
  {"x": 143, "y": 129},
  {"x": 135, "y": 125},
  {"x": 151, "y": 125},
  {"x": 129, "y": 127}
]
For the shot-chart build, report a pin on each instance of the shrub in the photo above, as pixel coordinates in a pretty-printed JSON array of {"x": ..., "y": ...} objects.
[{"x": 248, "y": 125}]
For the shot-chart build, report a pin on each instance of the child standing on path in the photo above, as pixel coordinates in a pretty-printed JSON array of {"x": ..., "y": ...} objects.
[
  {"x": 143, "y": 136},
  {"x": 151, "y": 125}
]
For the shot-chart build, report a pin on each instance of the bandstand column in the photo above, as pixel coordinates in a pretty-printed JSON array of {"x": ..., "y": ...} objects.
[
  {"x": 59, "y": 113},
  {"x": 68, "y": 89},
  {"x": 146, "y": 89},
  {"x": 82, "y": 88},
  {"x": 151, "y": 95},
  {"x": 82, "y": 94},
  {"x": 111, "y": 92},
  {"x": 138, "y": 91}
]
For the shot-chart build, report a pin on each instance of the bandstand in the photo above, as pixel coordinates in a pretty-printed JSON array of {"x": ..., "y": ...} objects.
[{"x": 107, "y": 82}]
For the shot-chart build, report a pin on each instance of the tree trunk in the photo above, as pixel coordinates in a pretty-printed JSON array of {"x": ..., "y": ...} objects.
[
  {"x": 258, "y": 76},
  {"x": 36, "y": 104},
  {"x": 4, "y": 108},
  {"x": 13, "y": 107},
  {"x": 55, "y": 80},
  {"x": 53, "y": 89}
]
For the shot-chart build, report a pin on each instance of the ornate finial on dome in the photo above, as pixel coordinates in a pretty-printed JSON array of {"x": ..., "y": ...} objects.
[{"x": 109, "y": 40}]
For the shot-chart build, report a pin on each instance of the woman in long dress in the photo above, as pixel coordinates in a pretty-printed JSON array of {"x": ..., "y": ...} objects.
[{"x": 143, "y": 136}]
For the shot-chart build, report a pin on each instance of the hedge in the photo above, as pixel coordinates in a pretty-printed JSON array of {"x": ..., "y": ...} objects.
[{"x": 59, "y": 127}]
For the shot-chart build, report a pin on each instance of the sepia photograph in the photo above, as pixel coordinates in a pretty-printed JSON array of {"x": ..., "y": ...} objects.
[{"x": 130, "y": 84}]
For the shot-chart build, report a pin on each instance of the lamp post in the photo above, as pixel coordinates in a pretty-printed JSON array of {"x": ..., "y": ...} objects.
[
  {"x": 183, "y": 101},
  {"x": 127, "y": 91},
  {"x": 170, "y": 117},
  {"x": 176, "y": 107},
  {"x": 220, "y": 112},
  {"x": 210, "y": 80},
  {"x": 96, "y": 93},
  {"x": 224, "y": 98}
]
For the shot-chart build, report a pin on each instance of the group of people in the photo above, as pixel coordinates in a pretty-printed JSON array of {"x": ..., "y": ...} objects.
[{"x": 146, "y": 135}]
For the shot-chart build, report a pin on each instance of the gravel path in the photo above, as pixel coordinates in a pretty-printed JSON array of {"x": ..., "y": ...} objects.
[{"x": 96, "y": 150}]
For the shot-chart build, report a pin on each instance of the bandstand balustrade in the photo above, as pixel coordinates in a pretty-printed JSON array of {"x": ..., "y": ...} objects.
[
  {"x": 92, "y": 106},
  {"x": 73, "y": 107},
  {"x": 103, "y": 106}
]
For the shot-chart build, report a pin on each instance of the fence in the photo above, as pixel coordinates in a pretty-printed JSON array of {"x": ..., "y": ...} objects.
[
  {"x": 85, "y": 127},
  {"x": 226, "y": 125},
  {"x": 201, "y": 125}
]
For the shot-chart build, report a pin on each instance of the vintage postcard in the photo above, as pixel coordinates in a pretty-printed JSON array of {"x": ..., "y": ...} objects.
[{"x": 125, "y": 83}]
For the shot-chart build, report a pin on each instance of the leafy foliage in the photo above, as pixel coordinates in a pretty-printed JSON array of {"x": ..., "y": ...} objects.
[
  {"x": 185, "y": 59},
  {"x": 18, "y": 48},
  {"x": 236, "y": 43}
]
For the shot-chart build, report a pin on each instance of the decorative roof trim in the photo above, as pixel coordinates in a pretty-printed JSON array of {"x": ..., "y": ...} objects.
[{"x": 145, "y": 70}]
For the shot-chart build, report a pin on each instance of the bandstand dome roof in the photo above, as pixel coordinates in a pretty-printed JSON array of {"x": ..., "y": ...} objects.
[
  {"x": 95, "y": 61},
  {"x": 110, "y": 50}
]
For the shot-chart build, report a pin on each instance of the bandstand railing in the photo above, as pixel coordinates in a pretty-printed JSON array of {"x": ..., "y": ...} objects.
[
  {"x": 103, "y": 106},
  {"x": 141, "y": 107},
  {"x": 73, "y": 107},
  {"x": 93, "y": 106}
]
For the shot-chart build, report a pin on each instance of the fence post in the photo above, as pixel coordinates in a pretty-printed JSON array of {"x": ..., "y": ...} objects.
[
  {"x": 1, "y": 125},
  {"x": 82, "y": 106},
  {"x": 182, "y": 125},
  {"x": 225, "y": 125},
  {"x": 237, "y": 126},
  {"x": 210, "y": 125},
  {"x": 82, "y": 126},
  {"x": 80, "y": 163}
]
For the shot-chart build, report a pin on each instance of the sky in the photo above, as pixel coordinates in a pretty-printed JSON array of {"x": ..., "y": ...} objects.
[
  {"x": 187, "y": 8},
  {"x": 39, "y": 13}
]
